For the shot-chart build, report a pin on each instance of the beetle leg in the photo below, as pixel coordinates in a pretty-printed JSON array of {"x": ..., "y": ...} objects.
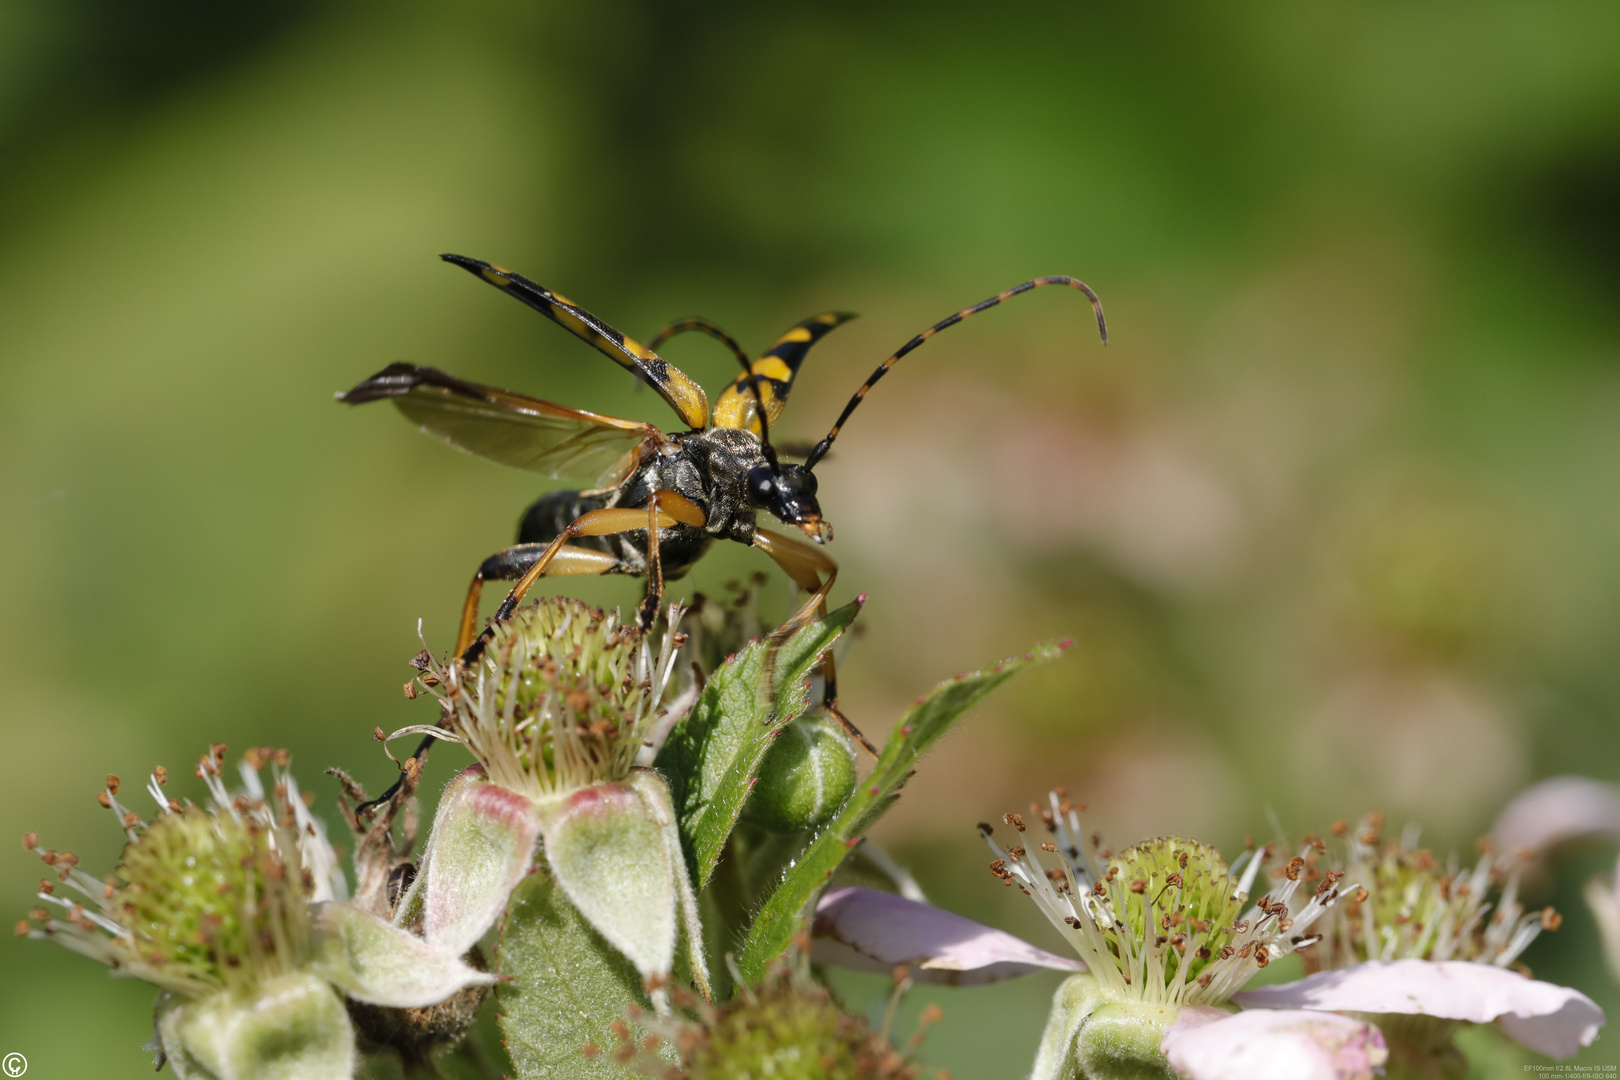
[
  {"x": 513, "y": 563},
  {"x": 528, "y": 562},
  {"x": 806, "y": 564},
  {"x": 666, "y": 509}
]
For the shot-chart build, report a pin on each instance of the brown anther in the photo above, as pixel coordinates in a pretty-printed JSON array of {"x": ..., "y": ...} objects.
[
  {"x": 1295, "y": 865},
  {"x": 281, "y": 756},
  {"x": 39, "y": 914},
  {"x": 1045, "y": 846},
  {"x": 1261, "y": 955},
  {"x": 47, "y": 886},
  {"x": 30, "y": 841},
  {"x": 1072, "y": 921},
  {"x": 1139, "y": 886},
  {"x": 985, "y": 830},
  {"x": 1014, "y": 820},
  {"x": 23, "y": 927},
  {"x": 1550, "y": 919},
  {"x": 378, "y": 735},
  {"x": 161, "y": 774},
  {"x": 1362, "y": 894},
  {"x": 1016, "y": 853},
  {"x": 1340, "y": 827},
  {"x": 410, "y": 689},
  {"x": 131, "y": 819},
  {"x": 104, "y": 800}
]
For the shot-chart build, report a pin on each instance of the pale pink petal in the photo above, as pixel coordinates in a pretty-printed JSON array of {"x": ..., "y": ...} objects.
[
  {"x": 1603, "y": 897},
  {"x": 1554, "y": 811},
  {"x": 1553, "y": 1020},
  {"x": 1272, "y": 1044},
  {"x": 867, "y": 930}
]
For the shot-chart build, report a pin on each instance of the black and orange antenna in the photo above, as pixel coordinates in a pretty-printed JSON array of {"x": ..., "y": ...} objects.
[{"x": 825, "y": 444}]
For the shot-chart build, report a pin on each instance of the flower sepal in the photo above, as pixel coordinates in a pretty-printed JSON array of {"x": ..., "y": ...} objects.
[
  {"x": 380, "y": 964},
  {"x": 481, "y": 845},
  {"x": 290, "y": 1028},
  {"x": 1093, "y": 1034},
  {"x": 610, "y": 851}
]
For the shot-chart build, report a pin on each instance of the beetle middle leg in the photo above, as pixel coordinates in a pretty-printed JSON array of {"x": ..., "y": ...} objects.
[
  {"x": 663, "y": 511},
  {"x": 806, "y": 565}
]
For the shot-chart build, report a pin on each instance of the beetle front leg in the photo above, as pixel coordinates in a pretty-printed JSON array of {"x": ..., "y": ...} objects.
[{"x": 806, "y": 565}]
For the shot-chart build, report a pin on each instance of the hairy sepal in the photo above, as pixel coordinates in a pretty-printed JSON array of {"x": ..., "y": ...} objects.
[
  {"x": 291, "y": 1028},
  {"x": 371, "y": 961},
  {"x": 563, "y": 988},
  {"x": 481, "y": 846},
  {"x": 606, "y": 850}
]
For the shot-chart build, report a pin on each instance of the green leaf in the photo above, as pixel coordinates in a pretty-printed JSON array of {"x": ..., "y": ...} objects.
[
  {"x": 780, "y": 917},
  {"x": 713, "y": 755},
  {"x": 566, "y": 987}
]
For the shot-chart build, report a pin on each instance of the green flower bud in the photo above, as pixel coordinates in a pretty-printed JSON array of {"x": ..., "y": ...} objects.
[{"x": 806, "y": 775}]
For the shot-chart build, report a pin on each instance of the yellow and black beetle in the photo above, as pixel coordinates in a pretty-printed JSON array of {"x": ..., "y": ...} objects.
[{"x": 660, "y": 499}]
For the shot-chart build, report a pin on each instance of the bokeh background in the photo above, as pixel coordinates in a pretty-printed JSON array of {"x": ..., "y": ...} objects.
[{"x": 1333, "y": 521}]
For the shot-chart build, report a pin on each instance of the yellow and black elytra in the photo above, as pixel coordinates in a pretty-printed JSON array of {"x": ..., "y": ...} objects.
[{"x": 660, "y": 500}]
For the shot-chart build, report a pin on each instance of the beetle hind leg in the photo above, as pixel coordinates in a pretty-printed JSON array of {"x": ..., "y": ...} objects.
[{"x": 516, "y": 561}]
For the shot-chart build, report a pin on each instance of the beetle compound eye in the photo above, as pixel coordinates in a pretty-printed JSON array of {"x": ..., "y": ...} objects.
[{"x": 761, "y": 485}]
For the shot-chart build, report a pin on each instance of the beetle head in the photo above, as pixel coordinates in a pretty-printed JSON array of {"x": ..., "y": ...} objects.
[{"x": 789, "y": 493}]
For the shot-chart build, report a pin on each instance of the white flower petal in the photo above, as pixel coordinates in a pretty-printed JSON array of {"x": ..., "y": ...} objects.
[
  {"x": 1553, "y": 811},
  {"x": 1554, "y": 1020},
  {"x": 867, "y": 930},
  {"x": 1272, "y": 1044}
]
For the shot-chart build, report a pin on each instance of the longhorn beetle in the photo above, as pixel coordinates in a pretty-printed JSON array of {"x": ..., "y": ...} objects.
[{"x": 660, "y": 500}]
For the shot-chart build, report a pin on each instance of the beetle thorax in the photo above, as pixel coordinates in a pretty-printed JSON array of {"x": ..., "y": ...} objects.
[{"x": 711, "y": 467}]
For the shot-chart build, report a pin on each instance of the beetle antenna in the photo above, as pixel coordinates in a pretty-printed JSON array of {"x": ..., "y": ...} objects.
[
  {"x": 822, "y": 447},
  {"x": 702, "y": 326}
]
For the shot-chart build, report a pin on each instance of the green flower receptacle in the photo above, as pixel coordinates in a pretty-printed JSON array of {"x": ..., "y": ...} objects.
[{"x": 1091, "y": 1035}]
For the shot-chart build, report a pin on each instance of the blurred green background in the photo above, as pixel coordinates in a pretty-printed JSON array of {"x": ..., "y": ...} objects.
[{"x": 1333, "y": 521}]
